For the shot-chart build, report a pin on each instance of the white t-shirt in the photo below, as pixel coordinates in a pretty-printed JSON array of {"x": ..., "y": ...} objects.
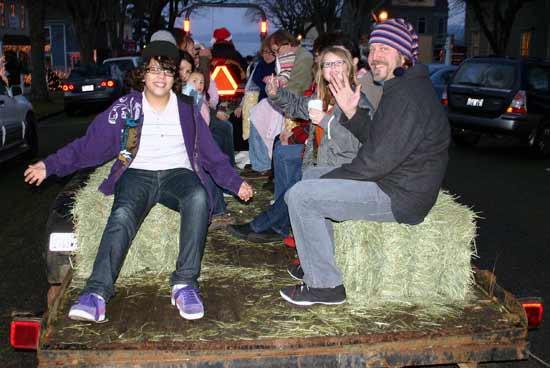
[{"x": 161, "y": 146}]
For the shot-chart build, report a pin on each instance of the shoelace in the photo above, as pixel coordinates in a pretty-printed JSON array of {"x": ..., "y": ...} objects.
[{"x": 189, "y": 295}]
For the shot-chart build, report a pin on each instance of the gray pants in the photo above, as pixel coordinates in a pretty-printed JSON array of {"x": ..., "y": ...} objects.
[{"x": 314, "y": 203}]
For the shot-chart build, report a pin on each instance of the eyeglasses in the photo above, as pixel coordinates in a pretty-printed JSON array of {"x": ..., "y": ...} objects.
[
  {"x": 155, "y": 70},
  {"x": 331, "y": 64}
]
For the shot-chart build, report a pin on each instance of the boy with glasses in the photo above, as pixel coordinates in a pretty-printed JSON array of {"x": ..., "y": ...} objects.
[{"x": 163, "y": 151}]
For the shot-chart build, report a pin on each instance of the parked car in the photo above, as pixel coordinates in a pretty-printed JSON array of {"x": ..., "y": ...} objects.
[
  {"x": 17, "y": 124},
  {"x": 91, "y": 86},
  {"x": 440, "y": 75},
  {"x": 124, "y": 63},
  {"x": 501, "y": 95}
]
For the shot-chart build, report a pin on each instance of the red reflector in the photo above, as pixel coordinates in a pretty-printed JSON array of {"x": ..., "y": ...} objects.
[
  {"x": 534, "y": 310},
  {"x": 24, "y": 334},
  {"x": 71, "y": 87},
  {"x": 103, "y": 84},
  {"x": 224, "y": 81},
  {"x": 444, "y": 102}
]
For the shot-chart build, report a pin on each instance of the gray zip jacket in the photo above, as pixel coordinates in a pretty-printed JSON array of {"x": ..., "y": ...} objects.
[{"x": 338, "y": 145}]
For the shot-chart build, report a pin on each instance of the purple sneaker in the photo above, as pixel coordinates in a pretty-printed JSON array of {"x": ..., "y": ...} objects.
[
  {"x": 90, "y": 307},
  {"x": 188, "y": 301}
]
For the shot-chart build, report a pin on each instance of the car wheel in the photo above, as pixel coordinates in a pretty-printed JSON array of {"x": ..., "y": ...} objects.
[
  {"x": 31, "y": 136},
  {"x": 540, "y": 142},
  {"x": 465, "y": 138}
]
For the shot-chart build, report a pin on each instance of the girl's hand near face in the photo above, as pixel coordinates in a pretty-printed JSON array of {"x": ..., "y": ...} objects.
[{"x": 346, "y": 98}]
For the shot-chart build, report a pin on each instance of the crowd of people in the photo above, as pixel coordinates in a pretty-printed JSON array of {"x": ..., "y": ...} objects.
[{"x": 341, "y": 139}]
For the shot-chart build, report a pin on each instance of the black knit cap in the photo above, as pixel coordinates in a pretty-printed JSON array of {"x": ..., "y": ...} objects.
[{"x": 161, "y": 48}]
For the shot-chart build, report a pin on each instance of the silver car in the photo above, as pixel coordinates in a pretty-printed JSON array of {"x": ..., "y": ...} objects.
[{"x": 17, "y": 124}]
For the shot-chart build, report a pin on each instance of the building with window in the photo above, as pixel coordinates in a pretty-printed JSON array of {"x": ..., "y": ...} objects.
[
  {"x": 14, "y": 39},
  {"x": 530, "y": 35},
  {"x": 429, "y": 17}
]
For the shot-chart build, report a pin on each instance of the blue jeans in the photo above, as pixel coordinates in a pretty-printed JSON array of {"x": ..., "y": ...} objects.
[
  {"x": 287, "y": 166},
  {"x": 314, "y": 203},
  {"x": 222, "y": 132},
  {"x": 287, "y": 163},
  {"x": 257, "y": 151},
  {"x": 136, "y": 192}
]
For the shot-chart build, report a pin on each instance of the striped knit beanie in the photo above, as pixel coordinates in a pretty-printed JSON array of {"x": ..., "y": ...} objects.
[{"x": 398, "y": 34}]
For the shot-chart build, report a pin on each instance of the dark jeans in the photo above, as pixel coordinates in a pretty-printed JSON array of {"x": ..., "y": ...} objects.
[
  {"x": 287, "y": 164},
  {"x": 222, "y": 131},
  {"x": 136, "y": 192}
]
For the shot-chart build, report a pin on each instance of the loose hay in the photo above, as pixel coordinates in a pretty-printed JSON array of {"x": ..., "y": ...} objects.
[{"x": 411, "y": 276}]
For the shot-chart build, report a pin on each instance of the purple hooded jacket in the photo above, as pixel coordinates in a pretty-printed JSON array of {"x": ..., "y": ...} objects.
[{"x": 102, "y": 142}]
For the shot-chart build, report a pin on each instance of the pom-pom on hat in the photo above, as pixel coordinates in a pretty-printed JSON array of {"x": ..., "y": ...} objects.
[
  {"x": 221, "y": 34},
  {"x": 398, "y": 34}
]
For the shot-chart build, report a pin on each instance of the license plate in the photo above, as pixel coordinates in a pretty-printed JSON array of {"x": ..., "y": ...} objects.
[
  {"x": 62, "y": 242},
  {"x": 477, "y": 102},
  {"x": 88, "y": 88}
]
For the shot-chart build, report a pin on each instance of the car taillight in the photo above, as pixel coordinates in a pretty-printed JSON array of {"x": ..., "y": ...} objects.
[
  {"x": 534, "y": 309},
  {"x": 107, "y": 83},
  {"x": 67, "y": 87},
  {"x": 518, "y": 104},
  {"x": 444, "y": 99},
  {"x": 25, "y": 333}
]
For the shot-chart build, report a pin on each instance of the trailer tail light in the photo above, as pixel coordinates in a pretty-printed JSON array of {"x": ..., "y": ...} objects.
[
  {"x": 534, "y": 309},
  {"x": 25, "y": 333},
  {"x": 444, "y": 98},
  {"x": 107, "y": 83},
  {"x": 68, "y": 87},
  {"x": 518, "y": 104}
]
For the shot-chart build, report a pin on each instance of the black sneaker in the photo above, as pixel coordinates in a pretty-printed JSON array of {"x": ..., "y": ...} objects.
[
  {"x": 304, "y": 295},
  {"x": 295, "y": 271},
  {"x": 240, "y": 231},
  {"x": 245, "y": 232}
]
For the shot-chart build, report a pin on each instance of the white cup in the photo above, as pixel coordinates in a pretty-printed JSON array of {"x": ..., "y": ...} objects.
[{"x": 315, "y": 104}]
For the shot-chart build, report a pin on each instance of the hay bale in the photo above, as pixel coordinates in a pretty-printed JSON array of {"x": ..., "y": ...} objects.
[
  {"x": 422, "y": 264},
  {"x": 155, "y": 247}
]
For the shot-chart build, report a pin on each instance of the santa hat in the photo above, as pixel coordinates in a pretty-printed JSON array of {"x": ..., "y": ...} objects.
[{"x": 220, "y": 35}]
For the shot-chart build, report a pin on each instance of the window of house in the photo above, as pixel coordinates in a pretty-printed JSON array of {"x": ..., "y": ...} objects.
[
  {"x": 421, "y": 25},
  {"x": 2, "y": 14},
  {"x": 525, "y": 43},
  {"x": 441, "y": 26},
  {"x": 22, "y": 17},
  {"x": 476, "y": 37}
]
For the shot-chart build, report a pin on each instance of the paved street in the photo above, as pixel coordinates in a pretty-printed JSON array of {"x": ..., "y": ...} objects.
[{"x": 507, "y": 187}]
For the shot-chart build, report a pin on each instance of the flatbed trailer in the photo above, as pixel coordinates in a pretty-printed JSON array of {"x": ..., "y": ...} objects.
[
  {"x": 493, "y": 328},
  {"x": 145, "y": 330}
]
